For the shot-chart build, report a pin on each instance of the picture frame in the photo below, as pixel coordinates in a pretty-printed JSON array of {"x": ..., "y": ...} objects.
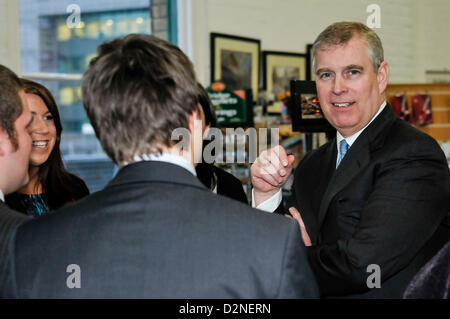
[
  {"x": 311, "y": 76},
  {"x": 305, "y": 110},
  {"x": 235, "y": 61},
  {"x": 279, "y": 68}
]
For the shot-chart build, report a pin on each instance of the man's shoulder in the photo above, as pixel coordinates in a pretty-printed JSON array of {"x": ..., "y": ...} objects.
[
  {"x": 11, "y": 217},
  {"x": 404, "y": 137},
  {"x": 231, "y": 210},
  {"x": 9, "y": 221},
  {"x": 154, "y": 202}
]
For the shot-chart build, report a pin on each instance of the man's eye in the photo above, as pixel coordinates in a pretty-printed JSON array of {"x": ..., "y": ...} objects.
[
  {"x": 354, "y": 72},
  {"x": 324, "y": 75}
]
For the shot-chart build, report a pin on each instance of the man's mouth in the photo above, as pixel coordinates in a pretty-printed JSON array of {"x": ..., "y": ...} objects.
[
  {"x": 343, "y": 104},
  {"x": 40, "y": 144}
]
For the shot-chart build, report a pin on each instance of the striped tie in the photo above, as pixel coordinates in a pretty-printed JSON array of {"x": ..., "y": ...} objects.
[{"x": 343, "y": 148}]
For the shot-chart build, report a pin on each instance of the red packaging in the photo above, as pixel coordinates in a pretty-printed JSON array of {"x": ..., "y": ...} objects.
[{"x": 421, "y": 110}]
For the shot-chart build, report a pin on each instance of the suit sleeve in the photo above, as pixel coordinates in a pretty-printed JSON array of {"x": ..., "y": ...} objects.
[
  {"x": 297, "y": 277},
  {"x": 410, "y": 198}
]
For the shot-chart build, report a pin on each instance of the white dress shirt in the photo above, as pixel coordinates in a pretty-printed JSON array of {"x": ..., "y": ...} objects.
[
  {"x": 2, "y": 197},
  {"x": 273, "y": 202},
  {"x": 165, "y": 157}
]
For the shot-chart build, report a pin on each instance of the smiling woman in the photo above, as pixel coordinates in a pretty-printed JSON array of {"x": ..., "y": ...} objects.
[{"x": 51, "y": 185}]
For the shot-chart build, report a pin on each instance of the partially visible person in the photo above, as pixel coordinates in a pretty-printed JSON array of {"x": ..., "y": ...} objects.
[
  {"x": 15, "y": 148},
  {"x": 433, "y": 279},
  {"x": 218, "y": 180},
  {"x": 154, "y": 231},
  {"x": 51, "y": 185}
]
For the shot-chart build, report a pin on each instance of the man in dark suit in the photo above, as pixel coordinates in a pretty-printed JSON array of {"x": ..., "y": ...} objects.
[
  {"x": 371, "y": 203},
  {"x": 15, "y": 148},
  {"x": 155, "y": 231}
]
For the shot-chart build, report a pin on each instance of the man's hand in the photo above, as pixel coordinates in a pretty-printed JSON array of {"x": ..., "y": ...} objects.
[
  {"x": 269, "y": 172},
  {"x": 296, "y": 215}
]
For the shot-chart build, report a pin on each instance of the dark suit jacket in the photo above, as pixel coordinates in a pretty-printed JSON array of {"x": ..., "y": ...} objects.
[
  {"x": 229, "y": 186},
  {"x": 9, "y": 221},
  {"x": 384, "y": 204},
  {"x": 156, "y": 232}
]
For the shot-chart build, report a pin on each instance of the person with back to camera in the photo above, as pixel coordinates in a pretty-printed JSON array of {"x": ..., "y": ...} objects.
[
  {"x": 372, "y": 202},
  {"x": 155, "y": 231},
  {"x": 215, "y": 178},
  {"x": 51, "y": 185}
]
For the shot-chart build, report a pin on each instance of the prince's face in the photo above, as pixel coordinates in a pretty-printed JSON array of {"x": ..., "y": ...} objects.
[{"x": 349, "y": 89}]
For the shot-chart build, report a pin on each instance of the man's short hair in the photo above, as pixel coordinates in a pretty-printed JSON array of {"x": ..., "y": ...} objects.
[
  {"x": 342, "y": 32},
  {"x": 136, "y": 92},
  {"x": 10, "y": 102}
]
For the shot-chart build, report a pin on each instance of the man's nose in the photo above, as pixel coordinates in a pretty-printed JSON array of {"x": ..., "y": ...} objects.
[{"x": 339, "y": 85}]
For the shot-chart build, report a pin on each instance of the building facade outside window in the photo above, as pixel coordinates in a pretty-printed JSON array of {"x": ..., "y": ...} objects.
[{"x": 58, "y": 39}]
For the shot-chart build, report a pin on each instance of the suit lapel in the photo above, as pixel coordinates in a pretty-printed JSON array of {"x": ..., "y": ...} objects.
[
  {"x": 357, "y": 158},
  {"x": 327, "y": 172}
]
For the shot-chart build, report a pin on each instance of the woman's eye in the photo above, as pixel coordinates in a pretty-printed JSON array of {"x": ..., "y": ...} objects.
[{"x": 48, "y": 117}]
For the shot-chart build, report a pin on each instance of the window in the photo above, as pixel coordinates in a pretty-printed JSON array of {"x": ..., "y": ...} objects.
[{"x": 56, "y": 49}]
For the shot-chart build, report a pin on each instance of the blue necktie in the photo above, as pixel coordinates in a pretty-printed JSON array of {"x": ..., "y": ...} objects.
[{"x": 343, "y": 148}]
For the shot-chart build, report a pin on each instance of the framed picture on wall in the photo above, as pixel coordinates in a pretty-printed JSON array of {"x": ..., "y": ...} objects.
[
  {"x": 279, "y": 68},
  {"x": 306, "y": 112},
  {"x": 235, "y": 61},
  {"x": 311, "y": 76}
]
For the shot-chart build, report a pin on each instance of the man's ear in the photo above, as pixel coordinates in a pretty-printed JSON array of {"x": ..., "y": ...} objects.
[
  {"x": 383, "y": 76},
  {"x": 193, "y": 120}
]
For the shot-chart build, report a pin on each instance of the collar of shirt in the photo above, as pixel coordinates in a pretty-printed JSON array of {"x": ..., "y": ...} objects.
[
  {"x": 165, "y": 157},
  {"x": 352, "y": 138},
  {"x": 2, "y": 197}
]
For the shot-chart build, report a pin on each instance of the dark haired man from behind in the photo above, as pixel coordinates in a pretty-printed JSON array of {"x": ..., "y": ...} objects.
[
  {"x": 155, "y": 231},
  {"x": 15, "y": 148}
]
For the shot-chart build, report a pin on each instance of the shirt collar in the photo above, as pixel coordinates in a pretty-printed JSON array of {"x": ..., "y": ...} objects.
[
  {"x": 166, "y": 157},
  {"x": 352, "y": 138},
  {"x": 2, "y": 197}
]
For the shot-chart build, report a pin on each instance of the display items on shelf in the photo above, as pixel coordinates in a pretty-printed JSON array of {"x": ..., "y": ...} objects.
[
  {"x": 428, "y": 106},
  {"x": 421, "y": 110},
  {"x": 400, "y": 105}
]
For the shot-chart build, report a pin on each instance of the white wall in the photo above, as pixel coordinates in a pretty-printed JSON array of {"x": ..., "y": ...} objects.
[
  {"x": 434, "y": 35},
  {"x": 410, "y": 29},
  {"x": 415, "y": 33},
  {"x": 9, "y": 34}
]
